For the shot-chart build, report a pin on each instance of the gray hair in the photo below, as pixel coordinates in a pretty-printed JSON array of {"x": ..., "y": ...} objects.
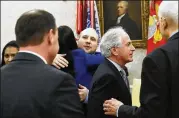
[
  {"x": 112, "y": 38},
  {"x": 125, "y": 3},
  {"x": 169, "y": 9}
]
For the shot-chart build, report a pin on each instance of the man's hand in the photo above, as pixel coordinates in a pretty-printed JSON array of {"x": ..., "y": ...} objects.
[
  {"x": 83, "y": 92},
  {"x": 60, "y": 61},
  {"x": 111, "y": 107}
]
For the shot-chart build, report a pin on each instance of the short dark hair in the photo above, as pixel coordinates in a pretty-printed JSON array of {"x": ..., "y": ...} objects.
[
  {"x": 66, "y": 39},
  {"x": 12, "y": 43},
  {"x": 32, "y": 25}
]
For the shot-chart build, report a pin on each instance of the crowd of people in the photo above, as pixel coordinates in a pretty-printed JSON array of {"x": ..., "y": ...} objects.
[{"x": 47, "y": 73}]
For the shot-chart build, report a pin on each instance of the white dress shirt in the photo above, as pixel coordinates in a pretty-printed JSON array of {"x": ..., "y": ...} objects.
[{"x": 119, "y": 18}]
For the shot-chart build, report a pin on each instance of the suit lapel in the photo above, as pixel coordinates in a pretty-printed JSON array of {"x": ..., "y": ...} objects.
[{"x": 118, "y": 75}]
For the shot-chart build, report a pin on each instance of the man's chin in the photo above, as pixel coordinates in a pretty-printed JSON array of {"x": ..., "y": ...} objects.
[
  {"x": 87, "y": 51},
  {"x": 131, "y": 60}
]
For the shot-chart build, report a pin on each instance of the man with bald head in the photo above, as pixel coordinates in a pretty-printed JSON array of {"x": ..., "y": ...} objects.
[
  {"x": 126, "y": 22},
  {"x": 88, "y": 40},
  {"x": 160, "y": 78}
]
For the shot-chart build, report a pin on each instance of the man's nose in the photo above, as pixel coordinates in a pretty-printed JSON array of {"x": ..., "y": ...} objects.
[
  {"x": 10, "y": 58},
  {"x": 132, "y": 48},
  {"x": 88, "y": 40}
]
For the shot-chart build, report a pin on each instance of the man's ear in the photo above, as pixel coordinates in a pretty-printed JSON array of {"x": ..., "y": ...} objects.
[
  {"x": 164, "y": 23},
  {"x": 50, "y": 36},
  {"x": 114, "y": 51}
]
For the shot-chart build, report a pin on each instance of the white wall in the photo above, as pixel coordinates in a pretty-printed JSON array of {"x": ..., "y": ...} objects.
[{"x": 63, "y": 11}]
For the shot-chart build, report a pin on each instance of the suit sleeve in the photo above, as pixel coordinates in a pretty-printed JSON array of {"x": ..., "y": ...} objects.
[
  {"x": 66, "y": 101},
  {"x": 94, "y": 59},
  {"x": 154, "y": 91},
  {"x": 100, "y": 92}
]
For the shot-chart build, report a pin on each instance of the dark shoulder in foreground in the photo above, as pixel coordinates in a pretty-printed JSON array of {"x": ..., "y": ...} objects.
[{"x": 55, "y": 71}]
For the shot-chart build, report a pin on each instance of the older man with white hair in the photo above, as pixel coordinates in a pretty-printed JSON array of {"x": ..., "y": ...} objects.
[
  {"x": 110, "y": 79},
  {"x": 160, "y": 78}
]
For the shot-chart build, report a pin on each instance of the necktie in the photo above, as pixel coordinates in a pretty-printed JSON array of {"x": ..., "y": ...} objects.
[{"x": 123, "y": 74}]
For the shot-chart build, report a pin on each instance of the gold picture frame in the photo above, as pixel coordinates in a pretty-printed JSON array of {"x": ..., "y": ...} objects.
[{"x": 141, "y": 43}]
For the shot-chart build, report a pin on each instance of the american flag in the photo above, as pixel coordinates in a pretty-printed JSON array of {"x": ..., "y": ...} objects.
[{"x": 92, "y": 13}]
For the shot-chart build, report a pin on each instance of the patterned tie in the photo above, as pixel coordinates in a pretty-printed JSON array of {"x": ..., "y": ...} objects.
[{"x": 123, "y": 74}]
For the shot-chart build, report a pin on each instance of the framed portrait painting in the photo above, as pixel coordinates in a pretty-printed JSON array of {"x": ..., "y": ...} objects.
[{"x": 132, "y": 15}]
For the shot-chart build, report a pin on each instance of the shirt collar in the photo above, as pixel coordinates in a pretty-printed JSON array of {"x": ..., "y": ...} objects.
[
  {"x": 116, "y": 65},
  {"x": 174, "y": 33},
  {"x": 35, "y": 55},
  {"x": 121, "y": 16}
]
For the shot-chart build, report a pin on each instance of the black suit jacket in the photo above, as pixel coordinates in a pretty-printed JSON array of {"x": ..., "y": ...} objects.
[
  {"x": 129, "y": 26},
  {"x": 107, "y": 83},
  {"x": 160, "y": 84},
  {"x": 32, "y": 89}
]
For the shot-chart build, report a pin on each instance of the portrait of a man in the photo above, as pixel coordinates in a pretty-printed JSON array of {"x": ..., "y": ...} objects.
[{"x": 120, "y": 16}]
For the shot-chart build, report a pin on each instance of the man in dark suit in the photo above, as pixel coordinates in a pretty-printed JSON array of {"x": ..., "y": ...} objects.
[
  {"x": 126, "y": 22},
  {"x": 160, "y": 78},
  {"x": 110, "y": 78},
  {"x": 30, "y": 88}
]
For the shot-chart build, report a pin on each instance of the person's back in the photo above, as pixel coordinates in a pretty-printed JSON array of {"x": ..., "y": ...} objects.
[
  {"x": 168, "y": 63},
  {"x": 30, "y": 87}
]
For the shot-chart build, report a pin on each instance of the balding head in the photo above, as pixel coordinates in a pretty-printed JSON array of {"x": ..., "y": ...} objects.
[
  {"x": 89, "y": 32},
  {"x": 88, "y": 40},
  {"x": 168, "y": 17}
]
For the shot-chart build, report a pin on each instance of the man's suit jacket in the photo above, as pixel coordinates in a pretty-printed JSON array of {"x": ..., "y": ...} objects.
[
  {"x": 32, "y": 89},
  {"x": 107, "y": 83},
  {"x": 160, "y": 84},
  {"x": 129, "y": 26}
]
